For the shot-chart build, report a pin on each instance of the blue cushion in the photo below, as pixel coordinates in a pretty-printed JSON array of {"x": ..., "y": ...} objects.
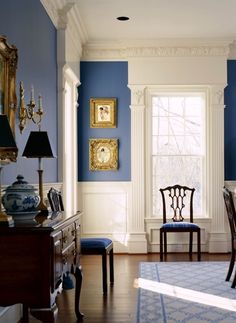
[
  {"x": 95, "y": 243},
  {"x": 179, "y": 225}
]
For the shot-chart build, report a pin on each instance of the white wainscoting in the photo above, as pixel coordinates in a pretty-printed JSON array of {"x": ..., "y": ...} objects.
[
  {"x": 107, "y": 212},
  {"x": 105, "y": 207}
]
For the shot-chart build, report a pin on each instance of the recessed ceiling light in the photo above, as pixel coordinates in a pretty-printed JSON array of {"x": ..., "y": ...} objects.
[{"x": 122, "y": 18}]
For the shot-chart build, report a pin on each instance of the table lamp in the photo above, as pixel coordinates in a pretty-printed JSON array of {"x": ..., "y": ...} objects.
[
  {"x": 8, "y": 153},
  {"x": 38, "y": 146}
]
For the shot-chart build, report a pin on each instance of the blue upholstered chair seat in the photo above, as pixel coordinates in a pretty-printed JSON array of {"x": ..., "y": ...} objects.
[
  {"x": 93, "y": 243},
  {"x": 183, "y": 224}
]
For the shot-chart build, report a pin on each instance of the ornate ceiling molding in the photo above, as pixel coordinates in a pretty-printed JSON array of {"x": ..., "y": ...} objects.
[
  {"x": 64, "y": 15},
  {"x": 91, "y": 52}
]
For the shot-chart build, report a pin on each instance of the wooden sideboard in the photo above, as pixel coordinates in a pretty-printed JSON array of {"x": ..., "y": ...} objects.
[{"x": 34, "y": 255}]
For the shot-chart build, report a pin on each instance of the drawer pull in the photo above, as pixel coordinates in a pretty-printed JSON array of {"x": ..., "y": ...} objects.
[
  {"x": 64, "y": 259},
  {"x": 64, "y": 239}
]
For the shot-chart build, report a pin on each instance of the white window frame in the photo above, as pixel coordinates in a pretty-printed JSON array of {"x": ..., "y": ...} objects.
[{"x": 158, "y": 91}]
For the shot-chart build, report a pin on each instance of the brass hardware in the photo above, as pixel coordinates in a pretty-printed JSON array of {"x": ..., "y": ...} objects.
[
  {"x": 64, "y": 259},
  {"x": 64, "y": 239}
]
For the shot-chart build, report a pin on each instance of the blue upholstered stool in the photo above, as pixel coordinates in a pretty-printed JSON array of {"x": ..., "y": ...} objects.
[
  {"x": 89, "y": 246},
  {"x": 100, "y": 246}
]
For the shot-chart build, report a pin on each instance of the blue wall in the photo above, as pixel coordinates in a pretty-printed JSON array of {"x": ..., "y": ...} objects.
[
  {"x": 230, "y": 122},
  {"x": 104, "y": 79},
  {"x": 26, "y": 25}
]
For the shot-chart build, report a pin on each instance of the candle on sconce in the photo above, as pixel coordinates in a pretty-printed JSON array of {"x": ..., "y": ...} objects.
[
  {"x": 40, "y": 103},
  {"x": 32, "y": 93}
]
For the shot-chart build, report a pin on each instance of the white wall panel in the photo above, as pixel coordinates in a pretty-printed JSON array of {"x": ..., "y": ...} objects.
[
  {"x": 104, "y": 212},
  {"x": 105, "y": 207}
]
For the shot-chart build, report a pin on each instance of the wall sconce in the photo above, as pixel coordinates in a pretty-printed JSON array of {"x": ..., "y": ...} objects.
[
  {"x": 29, "y": 112},
  {"x": 8, "y": 153}
]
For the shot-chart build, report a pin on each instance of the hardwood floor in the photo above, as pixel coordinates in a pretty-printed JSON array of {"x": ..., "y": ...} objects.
[{"x": 119, "y": 306}]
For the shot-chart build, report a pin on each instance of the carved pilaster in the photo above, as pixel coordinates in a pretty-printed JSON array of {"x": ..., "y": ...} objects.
[
  {"x": 217, "y": 238},
  {"x": 136, "y": 220}
]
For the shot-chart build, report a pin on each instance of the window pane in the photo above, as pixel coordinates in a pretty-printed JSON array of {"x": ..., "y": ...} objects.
[
  {"x": 171, "y": 170},
  {"x": 177, "y": 146}
]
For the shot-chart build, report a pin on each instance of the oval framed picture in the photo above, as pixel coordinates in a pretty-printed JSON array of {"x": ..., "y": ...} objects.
[{"x": 103, "y": 154}]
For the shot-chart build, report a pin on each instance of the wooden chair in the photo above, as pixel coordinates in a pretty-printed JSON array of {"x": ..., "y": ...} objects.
[
  {"x": 89, "y": 246},
  {"x": 231, "y": 214},
  {"x": 177, "y": 195}
]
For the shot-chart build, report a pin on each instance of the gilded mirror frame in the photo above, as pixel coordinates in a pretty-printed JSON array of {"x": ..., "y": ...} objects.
[{"x": 8, "y": 66}]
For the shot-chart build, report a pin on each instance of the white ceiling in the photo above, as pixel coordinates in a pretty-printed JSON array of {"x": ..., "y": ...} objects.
[{"x": 157, "y": 19}]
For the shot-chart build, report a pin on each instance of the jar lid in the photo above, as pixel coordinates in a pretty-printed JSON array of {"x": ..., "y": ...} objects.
[{"x": 20, "y": 185}]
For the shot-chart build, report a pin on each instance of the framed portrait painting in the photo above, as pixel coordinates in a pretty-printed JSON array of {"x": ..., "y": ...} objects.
[
  {"x": 103, "y": 154},
  {"x": 8, "y": 65},
  {"x": 103, "y": 112}
]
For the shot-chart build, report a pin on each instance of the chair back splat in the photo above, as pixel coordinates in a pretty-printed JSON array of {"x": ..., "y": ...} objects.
[
  {"x": 178, "y": 199},
  {"x": 89, "y": 246},
  {"x": 177, "y": 196},
  {"x": 55, "y": 200},
  {"x": 231, "y": 214}
]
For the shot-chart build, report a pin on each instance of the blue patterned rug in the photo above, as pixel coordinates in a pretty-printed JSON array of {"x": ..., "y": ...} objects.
[{"x": 193, "y": 292}]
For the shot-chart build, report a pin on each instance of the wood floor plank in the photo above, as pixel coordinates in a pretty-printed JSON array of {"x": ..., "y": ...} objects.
[{"x": 119, "y": 306}]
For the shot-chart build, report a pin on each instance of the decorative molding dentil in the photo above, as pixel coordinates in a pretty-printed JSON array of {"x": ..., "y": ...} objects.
[{"x": 96, "y": 52}]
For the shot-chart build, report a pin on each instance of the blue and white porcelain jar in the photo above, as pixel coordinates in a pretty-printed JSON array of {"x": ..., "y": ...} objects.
[{"x": 20, "y": 197}]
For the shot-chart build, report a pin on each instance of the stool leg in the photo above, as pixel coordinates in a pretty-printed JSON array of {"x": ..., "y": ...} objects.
[
  {"x": 111, "y": 266},
  {"x": 104, "y": 272}
]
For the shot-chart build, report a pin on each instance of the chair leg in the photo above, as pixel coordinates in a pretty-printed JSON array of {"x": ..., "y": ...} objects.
[
  {"x": 190, "y": 244},
  {"x": 104, "y": 272},
  {"x": 25, "y": 318},
  {"x": 199, "y": 245},
  {"x": 165, "y": 243},
  {"x": 231, "y": 265},
  {"x": 111, "y": 266},
  {"x": 161, "y": 246},
  {"x": 234, "y": 281}
]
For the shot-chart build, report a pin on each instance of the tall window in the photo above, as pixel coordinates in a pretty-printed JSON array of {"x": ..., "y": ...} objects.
[{"x": 178, "y": 145}]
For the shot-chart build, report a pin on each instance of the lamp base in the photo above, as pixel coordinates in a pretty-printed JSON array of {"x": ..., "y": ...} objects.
[
  {"x": 5, "y": 220},
  {"x": 42, "y": 208}
]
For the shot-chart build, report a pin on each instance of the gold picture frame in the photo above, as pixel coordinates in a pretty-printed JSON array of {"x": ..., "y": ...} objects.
[
  {"x": 103, "y": 154},
  {"x": 8, "y": 66},
  {"x": 103, "y": 112}
]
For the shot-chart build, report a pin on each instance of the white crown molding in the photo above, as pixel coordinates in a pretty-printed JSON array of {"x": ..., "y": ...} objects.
[
  {"x": 64, "y": 14},
  {"x": 51, "y": 11},
  {"x": 97, "y": 51}
]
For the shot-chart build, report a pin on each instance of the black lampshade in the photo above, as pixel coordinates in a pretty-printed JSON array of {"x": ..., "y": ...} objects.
[
  {"x": 38, "y": 145},
  {"x": 8, "y": 149}
]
